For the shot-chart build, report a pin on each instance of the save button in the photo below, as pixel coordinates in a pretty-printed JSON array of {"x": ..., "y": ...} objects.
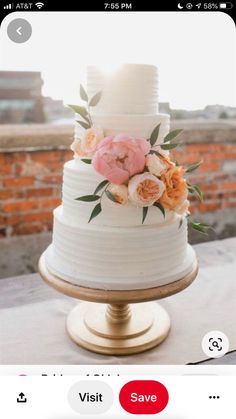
[{"x": 141, "y": 397}]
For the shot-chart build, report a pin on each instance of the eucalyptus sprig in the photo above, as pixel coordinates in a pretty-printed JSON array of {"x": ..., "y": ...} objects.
[
  {"x": 194, "y": 189},
  {"x": 201, "y": 227},
  {"x": 167, "y": 142},
  {"x": 103, "y": 188},
  {"x": 84, "y": 111}
]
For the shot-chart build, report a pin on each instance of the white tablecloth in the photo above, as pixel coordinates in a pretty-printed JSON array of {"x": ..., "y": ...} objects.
[{"x": 32, "y": 327}]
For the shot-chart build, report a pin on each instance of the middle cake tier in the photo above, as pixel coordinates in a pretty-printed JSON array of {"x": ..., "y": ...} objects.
[
  {"x": 139, "y": 126},
  {"x": 81, "y": 179}
]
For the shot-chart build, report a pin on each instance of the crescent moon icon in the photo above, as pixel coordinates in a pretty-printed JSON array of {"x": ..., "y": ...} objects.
[{"x": 180, "y": 7}]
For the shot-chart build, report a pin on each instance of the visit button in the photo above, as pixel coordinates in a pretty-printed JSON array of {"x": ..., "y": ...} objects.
[{"x": 143, "y": 397}]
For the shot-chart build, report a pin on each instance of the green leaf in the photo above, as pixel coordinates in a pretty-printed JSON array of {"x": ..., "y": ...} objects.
[
  {"x": 196, "y": 190},
  {"x": 87, "y": 161},
  {"x": 202, "y": 227},
  {"x": 84, "y": 124},
  {"x": 111, "y": 196},
  {"x": 181, "y": 222},
  {"x": 172, "y": 135},
  {"x": 101, "y": 186},
  {"x": 154, "y": 134},
  {"x": 97, "y": 209},
  {"x": 145, "y": 211},
  {"x": 193, "y": 167},
  {"x": 83, "y": 93},
  {"x": 155, "y": 152},
  {"x": 81, "y": 110},
  {"x": 161, "y": 208},
  {"x": 95, "y": 99},
  {"x": 169, "y": 146},
  {"x": 88, "y": 198},
  {"x": 177, "y": 164},
  {"x": 87, "y": 120}
]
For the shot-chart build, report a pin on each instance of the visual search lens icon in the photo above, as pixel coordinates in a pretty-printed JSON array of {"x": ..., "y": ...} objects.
[
  {"x": 215, "y": 344},
  {"x": 189, "y": 6}
]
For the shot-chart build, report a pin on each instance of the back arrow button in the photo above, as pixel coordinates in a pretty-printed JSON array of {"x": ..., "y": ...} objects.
[{"x": 19, "y": 30}]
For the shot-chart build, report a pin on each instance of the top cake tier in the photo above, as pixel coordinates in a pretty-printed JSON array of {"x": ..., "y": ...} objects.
[{"x": 131, "y": 89}]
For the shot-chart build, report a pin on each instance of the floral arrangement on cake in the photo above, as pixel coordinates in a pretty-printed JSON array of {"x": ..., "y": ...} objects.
[{"x": 135, "y": 170}]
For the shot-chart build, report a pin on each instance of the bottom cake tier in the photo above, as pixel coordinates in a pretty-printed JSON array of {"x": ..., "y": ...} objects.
[{"x": 115, "y": 258}]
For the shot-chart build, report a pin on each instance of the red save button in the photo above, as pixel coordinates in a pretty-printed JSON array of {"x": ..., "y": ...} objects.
[{"x": 142, "y": 397}]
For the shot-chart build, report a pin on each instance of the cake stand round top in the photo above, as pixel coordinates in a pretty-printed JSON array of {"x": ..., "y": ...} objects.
[{"x": 115, "y": 296}]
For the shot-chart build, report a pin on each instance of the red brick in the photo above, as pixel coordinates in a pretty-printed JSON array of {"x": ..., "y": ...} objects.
[
  {"x": 29, "y": 218},
  {"x": 209, "y": 167},
  {"x": 209, "y": 207},
  {"x": 6, "y": 194},
  {"x": 228, "y": 185},
  {"x": 208, "y": 186},
  {"x": 27, "y": 229},
  {"x": 14, "y": 219},
  {"x": 56, "y": 179},
  {"x": 67, "y": 155},
  {"x": 39, "y": 216},
  {"x": 220, "y": 176},
  {"x": 50, "y": 203},
  {"x": 55, "y": 166},
  {"x": 20, "y": 206},
  {"x": 197, "y": 148},
  {"x": 2, "y": 219},
  {"x": 6, "y": 158},
  {"x": 5, "y": 169},
  {"x": 38, "y": 192},
  {"x": 46, "y": 156},
  {"x": 19, "y": 181}
]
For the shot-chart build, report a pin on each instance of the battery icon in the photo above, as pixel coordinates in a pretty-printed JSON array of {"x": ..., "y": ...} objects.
[{"x": 226, "y": 5}]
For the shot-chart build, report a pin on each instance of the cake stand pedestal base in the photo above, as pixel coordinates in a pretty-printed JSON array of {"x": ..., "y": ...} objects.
[
  {"x": 112, "y": 323},
  {"x": 118, "y": 329}
]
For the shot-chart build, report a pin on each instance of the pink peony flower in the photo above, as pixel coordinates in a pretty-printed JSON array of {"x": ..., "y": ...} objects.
[{"x": 120, "y": 157}]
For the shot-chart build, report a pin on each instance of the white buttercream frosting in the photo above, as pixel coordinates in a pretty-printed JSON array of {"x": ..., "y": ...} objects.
[
  {"x": 131, "y": 89},
  {"x": 116, "y": 251},
  {"x": 118, "y": 257}
]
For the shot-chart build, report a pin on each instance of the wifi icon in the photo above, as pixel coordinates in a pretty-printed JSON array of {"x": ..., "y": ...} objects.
[{"x": 39, "y": 5}]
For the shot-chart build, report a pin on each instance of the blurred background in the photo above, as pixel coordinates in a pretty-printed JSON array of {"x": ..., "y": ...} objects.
[{"x": 38, "y": 79}]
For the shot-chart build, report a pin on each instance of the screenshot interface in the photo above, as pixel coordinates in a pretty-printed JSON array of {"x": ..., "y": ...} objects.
[{"x": 117, "y": 211}]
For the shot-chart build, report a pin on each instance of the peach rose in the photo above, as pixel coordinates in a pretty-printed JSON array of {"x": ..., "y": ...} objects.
[
  {"x": 120, "y": 193},
  {"x": 175, "y": 188},
  {"x": 76, "y": 148},
  {"x": 155, "y": 165},
  {"x": 90, "y": 140},
  {"x": 145, "y": 189},
  {"x": 183, "y": 208}
]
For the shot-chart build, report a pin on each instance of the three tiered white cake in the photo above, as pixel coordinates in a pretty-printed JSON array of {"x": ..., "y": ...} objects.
[{"x": 116, "y": 251}]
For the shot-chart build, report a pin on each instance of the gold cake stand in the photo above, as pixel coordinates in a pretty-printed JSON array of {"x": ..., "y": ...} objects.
[{"x": 112, "y": 323}]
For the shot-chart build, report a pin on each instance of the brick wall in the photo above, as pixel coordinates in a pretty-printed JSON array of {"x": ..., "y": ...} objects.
[
  {"x": 30, "y": 190},
  {"x": 32, "y": 159},
  {"x": 216, "y": 176}
]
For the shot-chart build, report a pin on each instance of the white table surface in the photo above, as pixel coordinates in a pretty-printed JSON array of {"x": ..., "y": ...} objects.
[{"x": 32, "y": 326}]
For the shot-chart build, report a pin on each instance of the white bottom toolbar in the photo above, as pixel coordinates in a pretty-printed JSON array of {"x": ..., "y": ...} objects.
[{"x": 68, "y": 397}]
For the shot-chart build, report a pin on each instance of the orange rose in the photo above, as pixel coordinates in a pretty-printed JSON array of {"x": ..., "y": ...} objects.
[{"x": 176, "y": 190}]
